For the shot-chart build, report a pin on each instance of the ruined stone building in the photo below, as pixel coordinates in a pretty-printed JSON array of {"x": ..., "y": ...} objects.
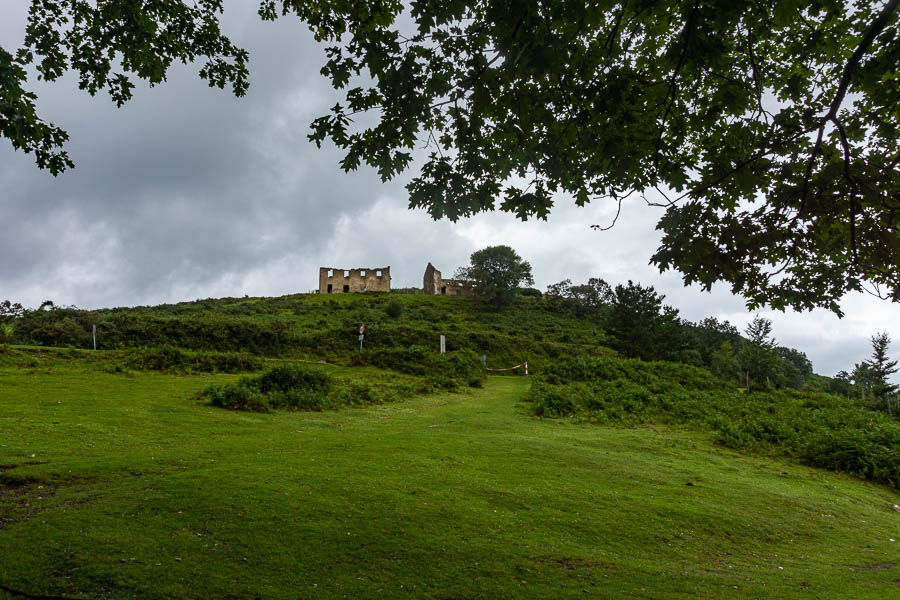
[
  {"x": 436, "y": 285},
  {"x": 342, "y": 281}
]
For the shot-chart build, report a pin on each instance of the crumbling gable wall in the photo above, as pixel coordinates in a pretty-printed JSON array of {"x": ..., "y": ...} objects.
[
  {"x": 436, "y": 285},
  {"x": 341, "y": 281},
  {"x": 432, "y": 280}
]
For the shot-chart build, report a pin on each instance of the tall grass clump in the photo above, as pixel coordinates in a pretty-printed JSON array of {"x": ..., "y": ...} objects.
[
  {"x": 448, "y": 370},
  {"x": 820, "y": 429},
  {"x": 291, "y": 387},
  {"x": 175, "y": 360}
]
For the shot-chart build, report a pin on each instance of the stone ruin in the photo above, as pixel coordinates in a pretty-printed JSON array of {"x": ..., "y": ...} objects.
[
  {"x": 436, "y": 285},
  {"x": 343, "y": 281}
]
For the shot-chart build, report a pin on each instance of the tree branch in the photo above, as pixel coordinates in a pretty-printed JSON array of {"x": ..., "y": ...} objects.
[
  {"x": 853, "y": 191},
  {"x": 673, "y": 82},
  {"x": 874, "y": 30}
]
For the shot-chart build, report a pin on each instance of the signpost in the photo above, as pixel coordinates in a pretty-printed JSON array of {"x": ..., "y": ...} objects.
[{"x": 362, "y": 334}]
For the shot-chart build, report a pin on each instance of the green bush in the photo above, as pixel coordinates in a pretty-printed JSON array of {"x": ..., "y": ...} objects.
[
  {"x": 290, "y": 387},
  {"x": 291, "y": 377},
  {"x": 287, "y": 386},
  {"x": 175, "y": 360},
  {"x": 394, "y": 309},
  {"x": 820, "y": 429},
  {"x": 237, "y": 396},
  {"x": 446, "y": 371}
]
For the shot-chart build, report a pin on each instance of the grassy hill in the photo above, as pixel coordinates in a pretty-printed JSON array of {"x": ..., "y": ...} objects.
[
  {"x": 600, "y": 477},
  {"x": 323, "y": 326},
  {"x": 124, "y": 486}
]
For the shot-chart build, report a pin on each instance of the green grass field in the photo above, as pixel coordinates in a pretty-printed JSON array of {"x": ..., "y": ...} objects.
[{"x": 124, "y": 486}]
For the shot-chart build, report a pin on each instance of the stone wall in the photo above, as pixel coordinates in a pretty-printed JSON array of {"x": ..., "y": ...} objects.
[
  {"x": 434, "y": 284},
  {"x": 342, "y": 281}
]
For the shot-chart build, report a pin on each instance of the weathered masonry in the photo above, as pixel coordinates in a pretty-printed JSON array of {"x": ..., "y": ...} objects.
[
  {"x": 343, "y": 281},
  {"x": 436, "y": 285}
]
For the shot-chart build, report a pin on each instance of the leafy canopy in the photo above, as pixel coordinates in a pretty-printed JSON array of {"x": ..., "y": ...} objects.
[
  {"x": 769, "y": 130},
  {"x": 107, "y": 44},
  {"x": 583, "y": 299},
  {"x": 642, "y": 326},
  {"x": 497, "y": 272}
]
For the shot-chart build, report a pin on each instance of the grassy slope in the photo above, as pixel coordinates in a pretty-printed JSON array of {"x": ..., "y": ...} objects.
[
  {"x": 325, "y": 326},
  {"x": 134, "y": 490}
]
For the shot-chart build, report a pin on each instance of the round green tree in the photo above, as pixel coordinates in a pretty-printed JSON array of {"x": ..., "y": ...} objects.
[{"x": 497, "y": 272}]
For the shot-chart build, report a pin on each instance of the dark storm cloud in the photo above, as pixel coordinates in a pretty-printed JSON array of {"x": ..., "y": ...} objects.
[{"x": 184, "y": 183}]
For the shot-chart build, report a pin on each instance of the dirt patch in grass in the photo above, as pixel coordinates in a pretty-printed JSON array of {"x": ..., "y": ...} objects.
[
  {"x": 20, "y": 502},
  {"x": 572, "y": 563}
]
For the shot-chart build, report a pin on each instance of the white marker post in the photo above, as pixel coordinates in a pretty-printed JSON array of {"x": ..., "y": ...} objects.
[
  {"x": 94, "y": 332},
  {"x": 362, "y": 334},
  {"x": 443, "y": 344}
]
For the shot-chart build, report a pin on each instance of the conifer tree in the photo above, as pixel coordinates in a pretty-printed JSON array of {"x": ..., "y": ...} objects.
[{"x": 881, "y": 368}]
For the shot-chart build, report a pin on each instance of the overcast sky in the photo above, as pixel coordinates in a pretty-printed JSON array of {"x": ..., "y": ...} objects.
[{"x": 187, "y": 192}]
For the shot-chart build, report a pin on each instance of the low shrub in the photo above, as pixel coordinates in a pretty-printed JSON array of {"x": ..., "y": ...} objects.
[
  {"x": 287, "y": 386},
  {"x": 241, "y": 395},
  {"x": 820, "y": 429},
  {"x": 171, "y": 359},
  {"x": 394, "y": 309},
  {"x": 290, "y": 387},
  {"x": 291, "y": 377},
  {"x": 447, "y": 371}
]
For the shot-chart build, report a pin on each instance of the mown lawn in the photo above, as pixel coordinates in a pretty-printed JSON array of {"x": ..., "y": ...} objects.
[{"x": 123, "y": 486}]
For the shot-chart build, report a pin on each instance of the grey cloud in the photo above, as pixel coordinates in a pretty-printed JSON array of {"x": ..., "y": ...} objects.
[{"x": 187, "y": 183}]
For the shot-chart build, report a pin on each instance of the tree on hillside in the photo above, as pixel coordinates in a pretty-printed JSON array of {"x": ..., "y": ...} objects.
[
  {"x": 584, "y": 299},
  {"x": 642, "y": 326},
  {"x": 769, "y": 129},
  {"x": 864, "y": 380},
  {"x": 881, "y": 369},
  {"x": 794, "y": 368},
  {"x": 841, "y": 384},
  {"x": 10, "y": 310},
  {"x": 758, "y": 357},
  {"x": 497, "y": 272},
  {"x": 709, "y": 334},
  {"x": 724, "y": 363}
]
